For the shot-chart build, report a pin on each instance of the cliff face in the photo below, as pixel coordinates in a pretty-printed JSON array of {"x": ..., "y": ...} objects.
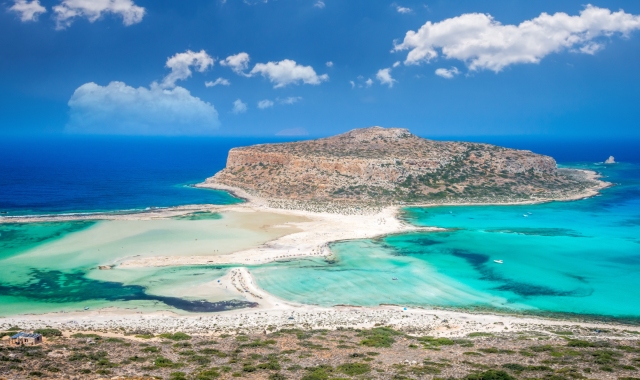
[{"x": 388, "y": 166}]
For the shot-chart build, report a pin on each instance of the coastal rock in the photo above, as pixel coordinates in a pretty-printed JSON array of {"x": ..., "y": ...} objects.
[
  {"x": 610, "y": 160},
  {"x": 391, "y": 166}
]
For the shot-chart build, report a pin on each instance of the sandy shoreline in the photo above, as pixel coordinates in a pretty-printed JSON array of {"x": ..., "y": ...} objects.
[{"x": 312, "y": 238}]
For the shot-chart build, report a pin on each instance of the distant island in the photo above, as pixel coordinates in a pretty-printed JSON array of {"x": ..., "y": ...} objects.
[{"x": 391, "y": 166}]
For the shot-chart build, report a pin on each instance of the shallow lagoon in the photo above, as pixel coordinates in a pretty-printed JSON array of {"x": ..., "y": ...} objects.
[{"x": 568, "y": 257}]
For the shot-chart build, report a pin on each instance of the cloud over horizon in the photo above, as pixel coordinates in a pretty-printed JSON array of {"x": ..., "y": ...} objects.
[
  {"x": 483, "y": 43},
  {"x": 119, "y": 109}
]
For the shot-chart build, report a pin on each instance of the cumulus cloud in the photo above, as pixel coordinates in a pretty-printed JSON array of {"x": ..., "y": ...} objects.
[
  {"x": 123, "y": 110},
  {"x": 319, "y": 4},
  {"x": 384, "y": 76},
  {"x": 329, "y": 64},
  {"x": 352, "y": 83},
  {"x": 369, "y": 82},
  {"x": 28, "y": 10},
  {"x": 239, "y": 107},
  {"x": 92, "y": 10},
  {"x": 265, "y": 104},
  {"x": 217, "y": 82},
  {"x": 447, "y": 73},
  {"x": 485, "y": 44},
  {"x": 288, "y": 72},
  {"x": 181, "y": 63},
  {"x": 238, "y": 63},
  {"x": 293, "y": 132},
  {"x": 403, "y": 9}
]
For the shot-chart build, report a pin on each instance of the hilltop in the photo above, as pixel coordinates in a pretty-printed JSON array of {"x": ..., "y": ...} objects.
[{"x": 385, "y": 166}]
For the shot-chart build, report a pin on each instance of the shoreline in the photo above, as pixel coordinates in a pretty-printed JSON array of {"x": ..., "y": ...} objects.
[{"x": 313, "y": 240}]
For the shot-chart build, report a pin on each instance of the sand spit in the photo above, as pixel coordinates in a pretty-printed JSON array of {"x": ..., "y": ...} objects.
[{"x": 313, "y": 239}]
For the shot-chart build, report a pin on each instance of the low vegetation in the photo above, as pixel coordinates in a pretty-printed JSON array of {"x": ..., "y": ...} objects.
[{"x": 299, "y": 354}]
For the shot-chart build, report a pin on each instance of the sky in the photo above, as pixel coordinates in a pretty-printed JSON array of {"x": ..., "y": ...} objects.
[{"x": 319, "y": 67}]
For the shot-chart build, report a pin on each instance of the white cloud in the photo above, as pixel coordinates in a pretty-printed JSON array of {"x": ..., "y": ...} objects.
[
  {"x": 239, "y": 107},
  {"x": 369, "y": 82},
  {"x": 447, "y": 73},
  {"x": 217, "y": 82},
  {"x": 352, "y": 83},
  {"x": 181, "y": 63},
  {"x": 384, "y": 76},
  {"x": 28, "y": 11},
  {"x": 68, "y": 10},
  {"x": 238, "y": 63},
  {"x": 319, "y": 4},
  {"x": 290, "y": 100},
  {"x": 329, "y": 64},
  {"x": 123, "y": 110},
  {"x": 591, "y": 48},
  {"x": 484, "y": 43},
  {"x": 293, "y": 132},
  {"x": 396, "y": 64},
  {"x": 403, "y": 10},
  {"x": 265, "y": 104},
  {"x": 287, "y": 72}
]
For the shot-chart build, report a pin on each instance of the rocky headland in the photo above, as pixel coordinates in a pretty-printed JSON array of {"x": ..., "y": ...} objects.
[{"x": 390, "y": 166}]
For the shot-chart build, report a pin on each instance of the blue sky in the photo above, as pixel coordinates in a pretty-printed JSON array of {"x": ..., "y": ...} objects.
[{"x": 319, "y": 67}]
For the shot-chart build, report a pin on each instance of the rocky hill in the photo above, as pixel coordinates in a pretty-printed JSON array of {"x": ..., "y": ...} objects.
[{"x": 392, "y": 166}]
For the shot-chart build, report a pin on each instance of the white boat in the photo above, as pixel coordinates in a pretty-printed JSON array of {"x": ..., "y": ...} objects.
[
  {"x": 525, "y": 215},
  {"x": 498, "y": 261},
  {"x": 86, "y": 308}
]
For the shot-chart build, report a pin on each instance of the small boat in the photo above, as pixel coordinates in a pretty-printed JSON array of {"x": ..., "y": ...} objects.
[
  {"x": 86, "y": 308},
  {"x": 525, "y": 215},
  {"x": 395, "y": 279},
  {"x": 498, "y": 261}
]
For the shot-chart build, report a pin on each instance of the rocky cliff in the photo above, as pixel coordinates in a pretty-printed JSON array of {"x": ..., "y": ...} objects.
[{"x": 390, "y": 166}]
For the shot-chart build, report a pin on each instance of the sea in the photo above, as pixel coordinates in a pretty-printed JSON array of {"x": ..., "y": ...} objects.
[{"x": 578, "y": 258}]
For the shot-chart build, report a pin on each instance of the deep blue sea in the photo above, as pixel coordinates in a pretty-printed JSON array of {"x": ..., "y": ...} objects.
[
  {"x": 63, "y": 174},
  {"x": 90, "y": 174},
  {"x": 580, "y": 257}
]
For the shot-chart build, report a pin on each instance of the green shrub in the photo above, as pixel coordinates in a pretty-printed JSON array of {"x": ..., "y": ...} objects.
[
  {"x": 277, "y": 376},
  {"x": 270, "y": 365},
  {"x": 81, "y": 335},
  {"x": 490, "y": 375},
  {"x": 49, "y": 333},
  {"x": 178, "y": 376},
  {"x": 353, "y": 369},
  {"x": 208, "y": 374},
  {"x": 175, "y": 336},
  {"x": 163, "y": 362},
  {"x": 514, "y": 367},
  {"x": 379, "y": 337},
  {"x": 479, "y": 334},
  {"x": 151, "y": 349},
  {"x": 145, "y": 336}
]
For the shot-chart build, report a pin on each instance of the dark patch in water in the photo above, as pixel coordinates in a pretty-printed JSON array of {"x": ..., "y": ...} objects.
[
  {"x": 477, "y": 260},
  {"x": 59, "y": 287},
  {"x": 634, "y": 222},
  {"x": 530, "y": 290},
  {"x": 539, "y": 231}
]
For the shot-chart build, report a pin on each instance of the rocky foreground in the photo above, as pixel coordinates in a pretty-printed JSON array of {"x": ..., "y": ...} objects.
[
  {"x": 377, "y": 353},
  {"x": 392, "y": 166}
]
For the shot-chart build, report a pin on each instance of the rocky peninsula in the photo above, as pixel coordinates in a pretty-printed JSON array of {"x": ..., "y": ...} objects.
[{"x": 381, "y": 167}]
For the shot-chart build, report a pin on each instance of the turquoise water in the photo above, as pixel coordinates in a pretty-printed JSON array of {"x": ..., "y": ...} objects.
[
  {"x": 580, "y": 257},
  {"x": 563, "y": 257}
]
